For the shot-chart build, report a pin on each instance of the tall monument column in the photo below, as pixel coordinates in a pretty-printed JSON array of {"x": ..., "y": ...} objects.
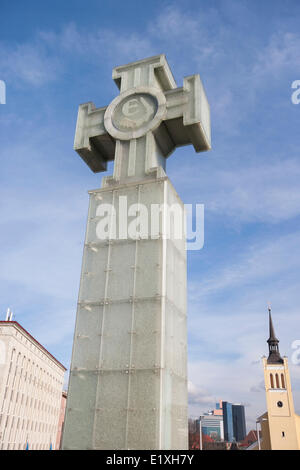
[{"x": 128, "y": 378}]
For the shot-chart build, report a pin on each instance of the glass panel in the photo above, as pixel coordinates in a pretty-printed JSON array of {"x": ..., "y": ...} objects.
[
  {"x": 104, "y": 197},
  {"x": 79, "y": 422},
  {"x": 143, "y": 418},
  {"x": 112, "y": 403},
  {"x": 149, "y": 269},
  {"x": 93, "y": 277},
  {"x": 122, "y": 261},
  {"x": 87, "y": 337},
  {"x": 146, "y": 341},
  {"x": 117, "y": 336},
  {"x": 176, "y": 340}
]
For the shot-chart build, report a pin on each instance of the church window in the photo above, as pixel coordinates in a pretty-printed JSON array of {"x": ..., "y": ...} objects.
[
  {"x": 282, "y": 381},
  {"x": 277, "y": 381},
  {"x": 272, "y": 380}
]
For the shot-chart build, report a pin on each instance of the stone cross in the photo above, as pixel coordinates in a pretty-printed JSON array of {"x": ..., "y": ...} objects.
[
  {"x": 145, "y": 123},
  {"x": 128, "y": 374}
]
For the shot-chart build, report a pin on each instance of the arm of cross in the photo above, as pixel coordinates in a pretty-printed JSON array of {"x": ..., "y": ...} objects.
[
  {"x": 188, "y": 118},
  {"x": 92, "y": 141}
]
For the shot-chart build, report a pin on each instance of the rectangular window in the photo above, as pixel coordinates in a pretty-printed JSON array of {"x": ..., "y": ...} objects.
[{"x": 283, "y": 434}]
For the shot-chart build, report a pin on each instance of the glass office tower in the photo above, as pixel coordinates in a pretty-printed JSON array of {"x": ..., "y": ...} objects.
[
  {"x": 228, "y": 421},
  {"x": 239, "y": 422}
]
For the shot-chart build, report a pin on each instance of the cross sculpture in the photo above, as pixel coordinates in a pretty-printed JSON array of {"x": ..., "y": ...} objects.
[
  {"x": 130, "y": 335},
  {"x": 144, "y": 124}
]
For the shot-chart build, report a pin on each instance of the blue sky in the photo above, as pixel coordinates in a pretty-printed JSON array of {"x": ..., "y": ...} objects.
[{"x": 55, "y": 55}]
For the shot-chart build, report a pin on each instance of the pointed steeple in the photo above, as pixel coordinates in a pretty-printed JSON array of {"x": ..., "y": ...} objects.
[
  {"x": 274, "y": 354},
  {"x": 271, "y": 328}
]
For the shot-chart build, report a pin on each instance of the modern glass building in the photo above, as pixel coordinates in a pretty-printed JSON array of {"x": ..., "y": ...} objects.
[
  {"x": 212, "y": 426},
  {"x": 239, "y": 422},
  {"x": 228, "y": 421}
]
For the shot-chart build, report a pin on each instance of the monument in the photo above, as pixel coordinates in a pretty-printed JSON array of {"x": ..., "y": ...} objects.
[{"x": 128, "y": 377}]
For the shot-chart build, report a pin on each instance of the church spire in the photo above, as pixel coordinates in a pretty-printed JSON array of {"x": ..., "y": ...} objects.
[{"x": 274, "y": 355}]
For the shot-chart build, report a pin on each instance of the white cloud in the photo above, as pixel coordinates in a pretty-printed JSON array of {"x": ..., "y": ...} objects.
[
  {"x": 281, "y": 54},
  {"x": 97, "y": 46},
  {"x": 28, "y": 62},
  {"x": 199, "y": 396},
  {"x": 261, "y": 192},
  {"x": 44, "y": 237},
  {"x": 262, "y": 262},
  {"x": 258, "y": 388},
  {"x": 230, "y": 381}
]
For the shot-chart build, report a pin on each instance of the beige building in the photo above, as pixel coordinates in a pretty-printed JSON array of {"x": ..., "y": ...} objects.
[
  {"x": 61, "y": 420},
  {"x": 280, "y": 425},
  {"x": 31, "y": 382}
]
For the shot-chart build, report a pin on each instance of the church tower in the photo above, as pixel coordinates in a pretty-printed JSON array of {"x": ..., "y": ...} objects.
[{"x": 280, "y": 425}]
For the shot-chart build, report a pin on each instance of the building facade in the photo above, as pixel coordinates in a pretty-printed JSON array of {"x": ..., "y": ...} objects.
[
  {"x": 61, "y": 420},
  {"x": 228, "y": 422},
  {"x": 212, "y": 426},
  {"x": 239, "y": 422},
  {"x": 31, "y": 382},
  {"x": 280, "y": 425},
  {"x": 234, "y": 421},
  {"x": 218, "y": 410},
  {"x": 211, "y": 432}
]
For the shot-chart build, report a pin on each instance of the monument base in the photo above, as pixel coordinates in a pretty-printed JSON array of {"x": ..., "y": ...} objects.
[{"x": 128, "y": 378}]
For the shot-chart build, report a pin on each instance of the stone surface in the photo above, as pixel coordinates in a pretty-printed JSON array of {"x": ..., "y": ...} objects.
[
  {"x": 128, "y": 386},
  {"x": 128, "y": 379},
  {"x": 178, "y": 116}
]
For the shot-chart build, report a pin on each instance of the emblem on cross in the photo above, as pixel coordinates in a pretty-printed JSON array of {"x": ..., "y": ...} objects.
[
  {"x": 134, "y": 112},
  {"x": 145, "y": 123}
]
